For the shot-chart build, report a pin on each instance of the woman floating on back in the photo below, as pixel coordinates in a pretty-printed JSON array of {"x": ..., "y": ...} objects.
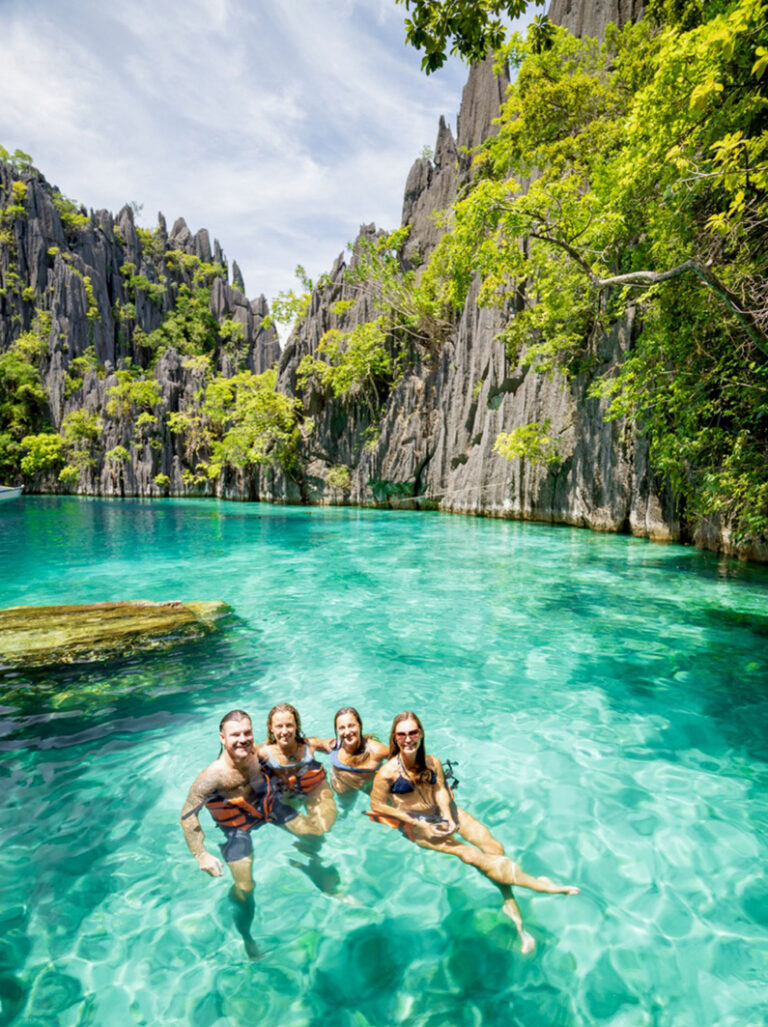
[{"x": 410, "y": 793}]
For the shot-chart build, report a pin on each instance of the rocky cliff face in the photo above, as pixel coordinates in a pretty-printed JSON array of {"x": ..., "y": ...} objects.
[
  {"x": 591, "y": 19},
  {"x": 434, "y": 444},
  {"x": 429, "y": 441},
  {"x": 94, "y": 288}
]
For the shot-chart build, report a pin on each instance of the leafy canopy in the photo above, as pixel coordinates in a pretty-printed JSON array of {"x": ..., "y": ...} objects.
[
  {"x": 647, "y": 163},
  {"x": 470, "y": 28}
]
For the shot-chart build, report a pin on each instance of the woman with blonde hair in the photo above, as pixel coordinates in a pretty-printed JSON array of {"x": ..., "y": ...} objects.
[{"x": 288, "y": 757}]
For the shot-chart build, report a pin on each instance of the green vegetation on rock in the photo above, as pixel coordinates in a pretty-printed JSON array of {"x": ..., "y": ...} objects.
[
  {"x": 647, "y": 159},
  {"x": 23, "y": 400}
]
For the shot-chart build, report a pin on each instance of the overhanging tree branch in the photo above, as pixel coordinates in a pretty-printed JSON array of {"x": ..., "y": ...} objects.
[{"x": 648, "y": 278}]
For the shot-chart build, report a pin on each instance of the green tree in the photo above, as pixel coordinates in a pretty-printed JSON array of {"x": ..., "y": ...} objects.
[
  {"x": 351, "y": 364},
  {"x": 261, "y": 425},
  {"x": 409, "y": 306},
  {"x": 131, "y": 394},
  {"x": 290, "y": 307},
  {"x": 470, "y": 28},
  {"x": 44, "y": 451},
  {"x": 189, "y": 327},
  {"x": 649, "y": 165},
  {"x": 23, "y": 399}
]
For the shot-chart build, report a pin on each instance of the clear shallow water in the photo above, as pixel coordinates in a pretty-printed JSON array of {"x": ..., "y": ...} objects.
[{"x": 607, "y": 701}]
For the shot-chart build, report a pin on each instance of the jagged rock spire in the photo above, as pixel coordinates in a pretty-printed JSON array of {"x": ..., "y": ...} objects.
[{"x": 590, "y": 19}]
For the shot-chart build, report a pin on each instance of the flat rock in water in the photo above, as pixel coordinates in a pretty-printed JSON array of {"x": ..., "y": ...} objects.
[{"x": 36, "y": 636}]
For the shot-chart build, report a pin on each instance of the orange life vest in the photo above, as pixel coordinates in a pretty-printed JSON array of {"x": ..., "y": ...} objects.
[
  {"x": 240, "y": 813},
  {"x": 307, "y": 781},
  {"x": 381, "y": 818}
]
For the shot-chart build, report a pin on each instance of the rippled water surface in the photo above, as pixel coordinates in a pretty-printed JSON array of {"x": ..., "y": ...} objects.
[{"x": 606, "y": 700}]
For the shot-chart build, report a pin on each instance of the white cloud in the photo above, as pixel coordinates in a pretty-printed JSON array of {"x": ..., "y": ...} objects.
[{"x": 279, "y": 126}]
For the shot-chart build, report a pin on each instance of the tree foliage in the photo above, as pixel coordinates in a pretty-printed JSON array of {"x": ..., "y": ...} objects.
[
  {"x": 258, "y": 424},
  {"x": 407, "y": 305},
  {"x": 23, "y": 399},
  {"x": 469, "y": 28},
  {"x": 351, "y": 364},
  {"x": 646, "y": 160},
  {"x": 290, "y": 307}
]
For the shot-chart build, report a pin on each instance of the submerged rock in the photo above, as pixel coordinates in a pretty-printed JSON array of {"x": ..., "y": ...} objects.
[{"x": 37, "y": 636}]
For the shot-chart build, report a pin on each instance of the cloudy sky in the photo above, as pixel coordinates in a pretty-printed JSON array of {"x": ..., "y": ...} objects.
[{"x": 278, "y": 125}]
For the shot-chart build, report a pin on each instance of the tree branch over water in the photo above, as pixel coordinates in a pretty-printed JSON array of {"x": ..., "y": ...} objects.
[{"x": 648, "y": 278}]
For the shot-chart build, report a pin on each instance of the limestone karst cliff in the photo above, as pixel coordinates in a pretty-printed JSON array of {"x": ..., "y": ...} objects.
[
  {"x": 591, "y": 19},
  {"x": 137, "y": 334},
  {"x": 102, "y": 301},
  {"x": 433, "y": 446}
]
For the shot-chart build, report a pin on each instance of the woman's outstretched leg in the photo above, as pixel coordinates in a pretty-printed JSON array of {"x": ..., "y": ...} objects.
[
  {"x": 541, "y": 884},
  {"x": 511, "y": 909},
  {"x": 496, "y": 868},
  {"x": 478, "y": 834},
  {"x": 504, "y": 873}
]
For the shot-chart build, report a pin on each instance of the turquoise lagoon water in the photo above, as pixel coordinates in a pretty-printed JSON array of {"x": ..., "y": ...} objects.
[{"x": 607, "y": 702}]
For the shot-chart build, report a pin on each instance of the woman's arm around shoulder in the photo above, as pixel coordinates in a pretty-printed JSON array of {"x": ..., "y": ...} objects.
[
  {"x": 377, "y": 749},
  {"x": 322, "y": 744}
]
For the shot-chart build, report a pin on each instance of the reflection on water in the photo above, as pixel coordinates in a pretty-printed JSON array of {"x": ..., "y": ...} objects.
[{"x": 606, "y": 700}]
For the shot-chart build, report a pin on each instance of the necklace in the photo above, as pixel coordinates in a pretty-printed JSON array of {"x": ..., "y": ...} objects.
[{"x": 414, "y": 782}]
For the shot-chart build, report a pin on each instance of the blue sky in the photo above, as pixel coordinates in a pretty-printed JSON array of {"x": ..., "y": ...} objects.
[{"x": 278, "y": 125}]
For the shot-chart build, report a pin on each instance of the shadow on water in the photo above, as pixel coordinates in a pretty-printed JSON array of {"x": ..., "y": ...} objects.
[
  {"x": 708, "y": 567},
  {"x": 700, "y": 707},
  {"x": 756, "y": 623},
  {"x": 466, "y": 970},
  {"x": 14, "y": 948},
  {"x": 678, "y": 654}
]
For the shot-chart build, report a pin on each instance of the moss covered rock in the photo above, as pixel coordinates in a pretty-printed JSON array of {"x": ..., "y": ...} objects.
[{"x": 35, "y": 636}]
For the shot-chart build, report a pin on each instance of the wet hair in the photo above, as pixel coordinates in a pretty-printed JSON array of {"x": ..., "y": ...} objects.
[
  {"x": 284, "y": 707},
  {"x": 233, "y": 715},
  {"x": 352, "y": 712},
  {"x": 394, "y": 747}
]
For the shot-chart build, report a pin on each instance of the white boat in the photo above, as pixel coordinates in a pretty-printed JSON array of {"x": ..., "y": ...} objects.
[{"x": 7, "y": 492}]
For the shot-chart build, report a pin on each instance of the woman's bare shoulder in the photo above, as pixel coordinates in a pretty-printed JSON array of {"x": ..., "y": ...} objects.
[{"x": 388, "y": 769}]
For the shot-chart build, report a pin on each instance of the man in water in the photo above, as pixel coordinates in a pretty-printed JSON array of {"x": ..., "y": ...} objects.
[{"x": 240, "y": 799}]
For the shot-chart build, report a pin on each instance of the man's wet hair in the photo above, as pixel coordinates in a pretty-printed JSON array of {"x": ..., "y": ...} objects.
[{"x": 234, "y": 715}]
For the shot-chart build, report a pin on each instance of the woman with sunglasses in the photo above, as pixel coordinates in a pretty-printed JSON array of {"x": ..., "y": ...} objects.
[{"x": 409, "y": 793}]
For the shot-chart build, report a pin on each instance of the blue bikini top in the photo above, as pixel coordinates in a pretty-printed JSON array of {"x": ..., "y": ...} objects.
[
  {"x": 402, "y": 785},
  {"x": 338, "y": 765},
  {"x": 305, "y": 760}
]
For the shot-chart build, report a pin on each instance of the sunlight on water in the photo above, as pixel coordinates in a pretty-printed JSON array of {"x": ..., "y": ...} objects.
[{"x": 606, "y": 700}]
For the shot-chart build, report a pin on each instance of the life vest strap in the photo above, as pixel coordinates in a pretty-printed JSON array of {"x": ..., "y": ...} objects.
[
  {"x": 238, "y": 812},
  {"x": 400, "y": 825},
  {"x": 307, "y": 781}
]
